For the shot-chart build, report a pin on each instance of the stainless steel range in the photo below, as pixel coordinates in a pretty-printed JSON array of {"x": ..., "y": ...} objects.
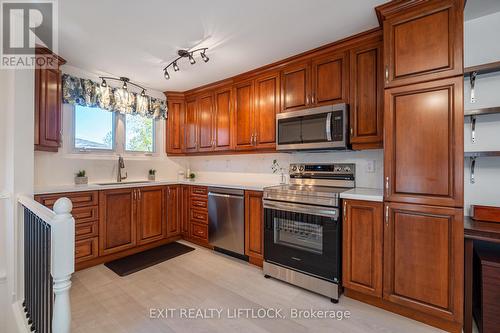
[{"x": 302, "y": 227}]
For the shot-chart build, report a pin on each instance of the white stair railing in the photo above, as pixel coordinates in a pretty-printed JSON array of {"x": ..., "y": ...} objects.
[{"x": 49, "y": 246}]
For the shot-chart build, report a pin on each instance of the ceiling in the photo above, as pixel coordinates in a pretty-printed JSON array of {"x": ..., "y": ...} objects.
[
  {"x": 138, "y": 38},
  {"x": 478, "y": 8}
]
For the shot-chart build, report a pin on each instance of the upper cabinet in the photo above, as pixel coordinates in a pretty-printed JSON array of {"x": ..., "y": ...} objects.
[
  {"x": 267, "y": 104},
  {"x": 191, "y": 126},
  {"x": 223, "y": 104},
  {"x": 243, "y": 115},
  {"x": 175, "y": 124},
  {"x": 366, "y": 96},
  {"x": 423, "y": 156},
  {"x": 205, "y": 124},
  {"x": 48, "y": 100},
  {"x": 322, "y": 80},
  {"x": 422, "y": 41}
]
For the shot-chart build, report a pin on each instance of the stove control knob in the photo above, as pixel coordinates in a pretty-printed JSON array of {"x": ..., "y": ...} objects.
[
  {"x": 347, "y": 169},
  {"x": 294, "y": 168},
  {"x": 301, "y": 168},
  {"x": 338, "y": 169}
]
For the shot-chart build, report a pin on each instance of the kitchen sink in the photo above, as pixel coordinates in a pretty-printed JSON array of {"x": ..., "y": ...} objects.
[{"x": 125, "y": 183}]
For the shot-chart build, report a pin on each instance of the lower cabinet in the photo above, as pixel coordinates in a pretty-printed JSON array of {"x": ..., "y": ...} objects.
[
  {"x": 150, "y": 214},
  {"x": 362, "y": 244},
  {"x": 117, "y": 220},
  {"x": 423, "y": 259},
  {"x": 197, "y": 214},
  {"x": 173, "y": 209},
  {"x": 405, "y": 258},
  {"x": 185, "y": 212},
  {"x": 254, "y": 227}
]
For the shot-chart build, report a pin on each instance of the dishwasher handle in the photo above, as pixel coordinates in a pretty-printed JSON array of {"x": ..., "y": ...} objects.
[{"x": 214, "y": 194}]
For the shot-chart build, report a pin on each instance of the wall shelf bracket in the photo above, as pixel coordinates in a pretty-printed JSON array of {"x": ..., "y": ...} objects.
[
  {"x": 473, "y": 87},
  {"x": 473, "y": 128},
  {"x": 472, "y": 167}
]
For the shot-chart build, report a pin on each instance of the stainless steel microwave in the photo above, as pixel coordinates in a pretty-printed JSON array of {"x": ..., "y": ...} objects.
[{"x": 324, "y": 128}]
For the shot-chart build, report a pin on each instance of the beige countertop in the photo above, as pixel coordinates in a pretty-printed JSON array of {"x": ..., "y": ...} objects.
[{"x": 363, "y": 193}]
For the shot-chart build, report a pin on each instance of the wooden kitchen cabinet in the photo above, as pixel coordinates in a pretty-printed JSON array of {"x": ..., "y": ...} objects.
[
  {"x": 150, "y": 214},
  {"x": 254, "y": 227},
  {"x": 422, "y": 40},
  {"x": 330, "y": 76},
  {"x": 223, "y": 128},
  {"x": 366, "y": 96},
  {"x": 117, "y": 220},
  {"x": 205, "y": 122},
  {"x": 267, "y": 105},
  {"x": 362, "y": 243},
  {"x": 243, "y": 115},
  {"x": 319, "y": 81},
  {"x": 191, "y": 126},
  {"x": 175, "y": 123},
  {"x": 184, "y": 210},
  {"x": 423, "y": 259},
  {"x": 423, "y": 157},
  {"x": 173, "y": 212},
  {"x": 48, "y": 104}
]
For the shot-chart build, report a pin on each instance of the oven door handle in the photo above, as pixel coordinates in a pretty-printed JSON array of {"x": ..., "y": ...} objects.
[
  {"x": 330, "y": 212},
  {"x": 329, "y": 126}
]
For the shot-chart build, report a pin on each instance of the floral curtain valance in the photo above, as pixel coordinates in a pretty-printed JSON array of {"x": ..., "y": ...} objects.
[{"x": 86, "y": 92}]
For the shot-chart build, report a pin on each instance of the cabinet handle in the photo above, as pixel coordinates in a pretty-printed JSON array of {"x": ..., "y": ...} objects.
[
  {"x": 387, "y": 216},
  {"x": 345, "y": 211},
  {"x": 387, "y": 186},
  {"x": 308, "y": 98},
  {"x": 135, "y": 195},
  {"x": 313, "y": 97},
  {"x": 352, "y": 131},
  {"x": 386, "y": 73},
  {"x": 140, "y": 194}
]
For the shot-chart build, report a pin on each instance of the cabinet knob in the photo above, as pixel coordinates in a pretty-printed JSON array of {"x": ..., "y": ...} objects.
[{"x": 387, "y": 74}]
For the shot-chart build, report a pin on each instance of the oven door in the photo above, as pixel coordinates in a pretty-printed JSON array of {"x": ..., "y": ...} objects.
[{"x": 303, "y": 237}]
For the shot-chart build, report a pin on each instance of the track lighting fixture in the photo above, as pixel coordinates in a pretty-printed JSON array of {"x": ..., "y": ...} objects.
[
  {"x": 185, "y": 54},
  {"x": 125, "y": 82}
]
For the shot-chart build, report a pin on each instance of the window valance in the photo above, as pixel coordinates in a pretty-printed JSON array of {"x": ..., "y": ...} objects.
[{"x": 86, "y": 92}]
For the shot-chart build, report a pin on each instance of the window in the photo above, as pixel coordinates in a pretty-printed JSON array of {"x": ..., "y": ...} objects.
[
  {"x": 139, "y": 134},
  {"x": 94, "y": 129}
]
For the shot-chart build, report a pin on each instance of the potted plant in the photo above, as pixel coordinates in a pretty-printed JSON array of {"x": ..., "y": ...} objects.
[
  {"x": 81, "y": 178},
  {"x": 191, "y": 176},
  {"x": 152, "y": 174}
]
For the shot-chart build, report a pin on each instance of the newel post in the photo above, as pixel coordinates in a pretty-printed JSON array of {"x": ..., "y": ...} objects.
[{"x": 63, "y": 263}]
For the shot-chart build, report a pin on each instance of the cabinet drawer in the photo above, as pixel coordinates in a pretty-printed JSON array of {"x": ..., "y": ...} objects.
[
  {"x": 198, "y": 216},
  {"x": 86, "y": 230},
  {"x": 86, "y": 249},
  {"x": 199, "y": 231},
  {"x": 85, "y": 214},
  {"x": 79, "y": 199},
  {"x": 199, "y": 190},
  {"x": 199, "y": 203}
]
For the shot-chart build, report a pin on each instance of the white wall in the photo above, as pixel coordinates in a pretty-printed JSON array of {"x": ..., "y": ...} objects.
[{"x": 481, "y": 46}]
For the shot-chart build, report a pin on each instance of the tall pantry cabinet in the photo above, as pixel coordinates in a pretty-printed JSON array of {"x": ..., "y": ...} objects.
[{"x": 423, "y": 159}]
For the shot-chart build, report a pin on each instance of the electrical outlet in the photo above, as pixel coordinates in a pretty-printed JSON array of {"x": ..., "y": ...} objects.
[{"x": 370, "y": 166}]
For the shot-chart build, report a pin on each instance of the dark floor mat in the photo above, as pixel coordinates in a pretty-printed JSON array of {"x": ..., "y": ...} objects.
[{"x": 148, "y": 258}]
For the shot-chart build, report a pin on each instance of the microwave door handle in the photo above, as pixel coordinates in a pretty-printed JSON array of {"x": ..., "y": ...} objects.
[{"x": 329, "y": 126}]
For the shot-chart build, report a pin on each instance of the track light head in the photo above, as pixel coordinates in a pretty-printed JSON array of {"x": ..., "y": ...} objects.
[
  {"x": 191, "y": 59},
  {"x": 143, "y": 92},
  {"x": 167, "y": 76},
  {"x": 204, "y": 56},
  {"x": 174, "y": 65},
  {"x": 124, "y": 85},
  {"x": 103, "y": 83}
]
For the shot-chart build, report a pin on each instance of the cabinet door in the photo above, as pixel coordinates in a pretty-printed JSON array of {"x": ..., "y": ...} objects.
[
  {"x": 150, "y": 214},
  {"x": 367, "y": 94},
  {"x": 223, "y": 119},
  {"x": 363, "y": 246},
  {"x": 267, "y": 104},
  {"x": 117, "y": 220},
  {"x": 423, "y": 157},
  {"x": 254, "y": 226},
  {"x": 424, "y": 42},
  {"x": 330, "y": 79},
  {"x": 205, "y": 122},
  {"x": 185, "y": 210},
  {"x": 47, "y": 109},
  {"x": 191, "y": 126},
  {"x": 423, "y": 259},
  {"x": 173, "y": 216},
  {"x": 244, "y": 115},
  {"x": 175, "y": 125},
  {"x": 296, "y": 87}
]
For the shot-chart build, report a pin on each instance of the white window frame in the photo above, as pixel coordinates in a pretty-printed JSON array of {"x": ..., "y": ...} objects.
[
  {"x": 93, "y": 150},
  {"x": 136, "y": 152}
]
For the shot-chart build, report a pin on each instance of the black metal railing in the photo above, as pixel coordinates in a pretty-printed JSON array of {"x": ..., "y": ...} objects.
[{"x": 38, "y": 293}]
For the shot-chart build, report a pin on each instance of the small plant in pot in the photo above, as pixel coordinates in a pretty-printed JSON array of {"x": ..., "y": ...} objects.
[
  {"x": 152, "y": 174},
  {"x": 81, "y": 178}
]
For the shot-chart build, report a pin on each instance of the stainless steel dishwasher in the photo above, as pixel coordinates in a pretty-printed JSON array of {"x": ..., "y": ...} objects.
[{"x": 226, "y": 220}]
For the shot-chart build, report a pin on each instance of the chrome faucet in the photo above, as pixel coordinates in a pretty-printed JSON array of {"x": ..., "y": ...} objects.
[{"x": 121, "y": 165}]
